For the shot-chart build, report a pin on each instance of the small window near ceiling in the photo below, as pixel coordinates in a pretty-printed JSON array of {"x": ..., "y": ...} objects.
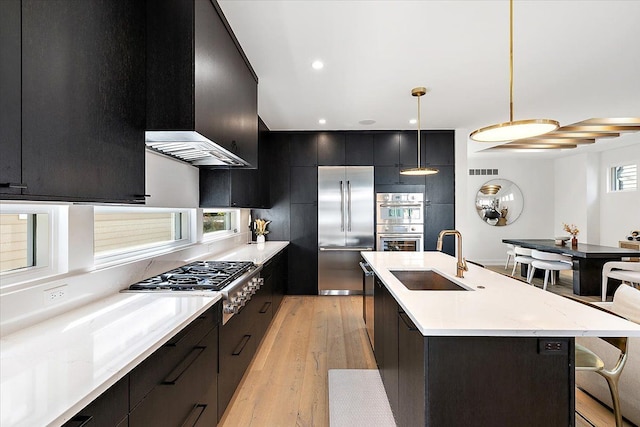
[
  {"x": 623, "y": 178},
  {"x": 219, "y": 222},
  {"x": 132, "y": 231}
]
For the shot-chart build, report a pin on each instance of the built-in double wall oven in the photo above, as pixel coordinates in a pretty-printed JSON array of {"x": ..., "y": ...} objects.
[{"x": 400, "y": 222}]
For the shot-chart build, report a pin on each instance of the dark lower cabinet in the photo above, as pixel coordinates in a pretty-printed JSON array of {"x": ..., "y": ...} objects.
[
  {"x": 471, "y": 380},
  {"x": 303, "y": 251},
  {"x": 187, "y": 395},
  {"x": 274, "y": 273},
  {"x": 439, "y": 217},
  {"x": 109, "y": 409}
]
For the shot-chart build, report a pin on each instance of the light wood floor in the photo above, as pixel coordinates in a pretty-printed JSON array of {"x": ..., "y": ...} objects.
[{"x": 287, "y": 381}]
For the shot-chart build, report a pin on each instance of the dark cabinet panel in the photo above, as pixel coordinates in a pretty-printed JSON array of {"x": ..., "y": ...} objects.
[
  {"x": 386, "y": 149},
  {"x": 386, "y": 339},
  {"x": 264, "y": 166},
  {"x": 107, "y": 410},
  {"x": 10, "y": 97},
  {"x": 215, "y": 187},
  {"x": 439, "y": 146},
  {"x": 226, "y": 101},
  {"x": 181, "y": 397},
  {"x": 186, "y": 40},
  {"x": 83, "y": 92},
  {"x": 331, "y": 149},
  {"x": 440, "y": 188},
  {"x": 303, "y": 149},
  {"x": 359, "y": 149},
  {"x": 409, "y": 149},
  {"x": 386, "y": 175},
  {"x": 378, "y": 321},
  {"x": 439, "y": 217},
  {"x": 507, "y": 381},
  {"x": 304, "y": 184},
  {"x": 411, "y": 373},
  {"x": 303, "y": 251}
]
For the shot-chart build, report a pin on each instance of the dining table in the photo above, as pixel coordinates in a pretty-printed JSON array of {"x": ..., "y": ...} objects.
[{"x": 587, "y": 259}]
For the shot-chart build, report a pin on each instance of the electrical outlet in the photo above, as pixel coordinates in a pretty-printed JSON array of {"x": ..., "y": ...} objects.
[{"x": 55, "y": 295}]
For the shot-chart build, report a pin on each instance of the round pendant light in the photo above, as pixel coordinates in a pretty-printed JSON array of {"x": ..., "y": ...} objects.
[
  {"x": 513, "y": 130},
  {"x": 418, "y": 92}
]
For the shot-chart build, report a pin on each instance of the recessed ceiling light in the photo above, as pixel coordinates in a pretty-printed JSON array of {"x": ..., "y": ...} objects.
[
  {"x": 367, "y": 122},
  {"x": 413, "y": 121},
  {"x": 322, "y": 121},
  {"x": 317, "y": 65}
]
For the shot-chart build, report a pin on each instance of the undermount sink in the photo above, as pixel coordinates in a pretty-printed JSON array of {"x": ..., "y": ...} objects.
[{"x": 425, "y": 280}]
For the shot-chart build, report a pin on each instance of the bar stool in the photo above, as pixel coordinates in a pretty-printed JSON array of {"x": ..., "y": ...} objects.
[
  {"x": 549, "y": 262},
  {"x": 626, "y": 303},
  {"x": 627, "y": 272},
  {"x": 510, "y": 254},
  {"x": 521, "y": 256}
]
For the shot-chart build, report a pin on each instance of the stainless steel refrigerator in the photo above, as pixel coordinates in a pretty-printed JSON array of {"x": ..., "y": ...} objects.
[{"x": 346, "y": 204}]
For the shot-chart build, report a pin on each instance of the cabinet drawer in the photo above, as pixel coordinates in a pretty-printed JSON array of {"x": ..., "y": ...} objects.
[
  {"x": 108, "y": 409},
  {"x": 159, "y": 365},
  {"x": 181, "y": 398}
]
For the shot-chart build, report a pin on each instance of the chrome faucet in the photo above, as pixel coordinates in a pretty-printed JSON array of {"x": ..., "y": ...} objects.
[{"x": 461, "y": 265}]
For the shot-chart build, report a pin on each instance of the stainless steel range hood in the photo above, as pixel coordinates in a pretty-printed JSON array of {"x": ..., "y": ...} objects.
[{"x": 191, "y": 147}]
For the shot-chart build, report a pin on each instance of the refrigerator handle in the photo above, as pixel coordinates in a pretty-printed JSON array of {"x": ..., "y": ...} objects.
[
  {"x": 348, "y": 205},
  {"x": 341, "y": 206}
]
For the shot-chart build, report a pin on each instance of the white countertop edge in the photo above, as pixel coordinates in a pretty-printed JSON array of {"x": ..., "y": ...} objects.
[
  {"x": 412, "y": 301},
  {"x": 139, "y": 358}
]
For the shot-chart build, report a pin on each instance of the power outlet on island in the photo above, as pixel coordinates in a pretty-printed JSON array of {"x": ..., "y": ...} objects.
[{"x": 55, "y": 295}]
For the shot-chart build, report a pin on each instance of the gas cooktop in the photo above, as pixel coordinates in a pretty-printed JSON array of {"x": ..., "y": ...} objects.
[{"x": 196, "y": 276}]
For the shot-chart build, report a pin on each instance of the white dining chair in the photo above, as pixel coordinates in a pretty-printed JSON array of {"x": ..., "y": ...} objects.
[
  {"x": 550, "y": 263},
  {"x": 521, "y": 256},
  {"x": 626, "y": 271},
  {"x": 510, "y": 254}
]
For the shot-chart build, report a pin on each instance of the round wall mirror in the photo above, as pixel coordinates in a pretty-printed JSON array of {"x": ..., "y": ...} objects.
[{"x": 499, "y": 202}]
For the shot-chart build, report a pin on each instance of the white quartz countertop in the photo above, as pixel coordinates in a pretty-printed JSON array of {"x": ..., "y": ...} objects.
[
  {"x": 258, "y": 253},
  {"x": 50, "y": 371},
  {"x": 504, "y": 307}
]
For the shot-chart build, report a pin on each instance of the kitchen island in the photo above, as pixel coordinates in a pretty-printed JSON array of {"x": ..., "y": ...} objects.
[{"x": 496, "y": 352}]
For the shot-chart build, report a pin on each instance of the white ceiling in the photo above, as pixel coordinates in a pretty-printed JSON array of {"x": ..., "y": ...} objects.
[{"x": 573, "y": 60}]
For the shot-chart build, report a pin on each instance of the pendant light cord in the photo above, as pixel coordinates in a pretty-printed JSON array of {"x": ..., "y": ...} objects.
[
  {"x": 511, "y": 60},
  {"x": 419, "y": 132}
]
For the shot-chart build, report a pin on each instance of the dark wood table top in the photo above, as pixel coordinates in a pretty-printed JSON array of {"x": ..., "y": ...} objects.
[{"x": 583, "y": 250}]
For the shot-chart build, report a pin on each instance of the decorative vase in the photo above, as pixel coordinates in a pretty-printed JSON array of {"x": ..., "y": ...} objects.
[
  {"x": 574, "y": 241},
  {"x": 260, "y": 238}
]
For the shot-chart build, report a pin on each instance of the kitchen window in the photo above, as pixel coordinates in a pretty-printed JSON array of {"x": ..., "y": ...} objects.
[
  {"x": 29, "y": 241},
  {"x": 123, "y": 232},
  {"x": 623, "y": 178},
  {"x": 219, "y": 222}
]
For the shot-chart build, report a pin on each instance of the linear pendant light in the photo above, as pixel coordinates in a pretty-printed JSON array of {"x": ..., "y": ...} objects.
[
  {"x": 418, "y": 92},
  {"x": 513, "y": 130}
]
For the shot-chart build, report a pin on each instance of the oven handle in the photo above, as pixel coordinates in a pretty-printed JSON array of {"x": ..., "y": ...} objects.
[
  {"x": 364, "y": 268},
  {"x": 401, "y": 236},
  {"x": 345, "y": 249},
  {"x": 399, "y": 205}
]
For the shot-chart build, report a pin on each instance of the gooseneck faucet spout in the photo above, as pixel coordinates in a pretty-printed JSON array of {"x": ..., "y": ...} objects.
[{"x": 461, "y": 265}]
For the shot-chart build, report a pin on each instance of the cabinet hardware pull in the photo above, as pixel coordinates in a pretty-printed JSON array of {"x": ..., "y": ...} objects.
[
  {"x": 265, "y": 307},
  {"x": 83, "y": 420},
  {"x": 241, "y": 345},
  {"x": 13, "y": 185},
  {"x": 407, "y": 322},
  {"x": 194, "y": 415},
  {"x": 345, "y": 249},
  {"x": 141, "y": 195},
  {"x": 176, "y": 373},
  {"x": 197, "y": 320},
  {"x": 364, "y": 268}
]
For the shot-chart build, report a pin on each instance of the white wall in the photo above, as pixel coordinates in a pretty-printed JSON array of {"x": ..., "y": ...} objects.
[
  {"x": 619, "y": 212},
  {"x": 534, "y": 177}
]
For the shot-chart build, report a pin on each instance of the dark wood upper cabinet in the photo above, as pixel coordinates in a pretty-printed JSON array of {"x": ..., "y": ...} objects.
[
  {"x": 358, "y": 149},
  {"x": 386, "y": 149},
  {"x": 83, "y": 91},
  {"x": 331, "y": 149},
  {"x": 439, "y": 146},
  {"x": 198, "y": 78},
  {"x": 10, "y": 97},
  {"x": 303, "y": 149}
]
